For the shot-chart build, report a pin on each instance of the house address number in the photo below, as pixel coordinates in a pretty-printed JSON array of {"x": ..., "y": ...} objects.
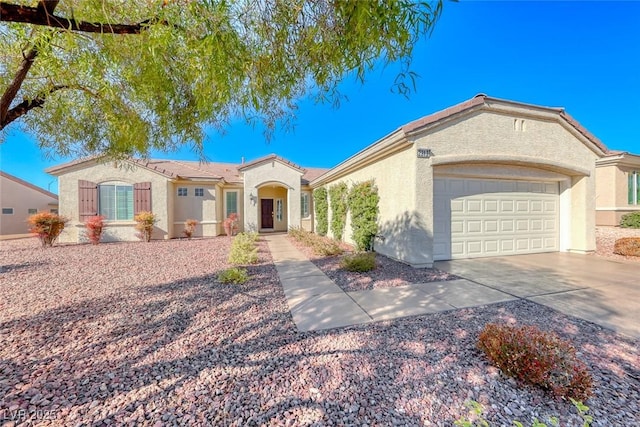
[{"x": 424, "y": 153}]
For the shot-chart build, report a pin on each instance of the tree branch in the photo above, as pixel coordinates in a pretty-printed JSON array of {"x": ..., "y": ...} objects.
[
  {"x": 46, "y": 8},
  {"x": 29, "y": 104},
  {"x": 16, "y": 83},
  {"x": 43, "y": 15}
]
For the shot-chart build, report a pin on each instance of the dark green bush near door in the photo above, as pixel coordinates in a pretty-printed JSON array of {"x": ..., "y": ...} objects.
[{"x": 630, "y": 220}]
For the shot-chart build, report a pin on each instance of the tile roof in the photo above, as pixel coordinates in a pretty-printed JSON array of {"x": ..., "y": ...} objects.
[
  {"x": 194, "y": 170},
  {"x": 482, "y": 99}
]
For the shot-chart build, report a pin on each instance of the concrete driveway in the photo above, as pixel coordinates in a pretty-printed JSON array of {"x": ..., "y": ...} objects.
[{"x": 602, "y": 291}]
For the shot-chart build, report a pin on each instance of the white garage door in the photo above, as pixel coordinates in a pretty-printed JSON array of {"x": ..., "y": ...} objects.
[{"x": 480, "y": 218}]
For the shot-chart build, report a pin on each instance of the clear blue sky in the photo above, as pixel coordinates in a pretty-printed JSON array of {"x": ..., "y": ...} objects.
[{"x": 584, "y": 56}]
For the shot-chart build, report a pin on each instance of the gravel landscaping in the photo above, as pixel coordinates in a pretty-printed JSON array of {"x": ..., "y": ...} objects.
[
  {"x": 606, "y": 238},
  {"x": 143, "y": 334},
  {"x": 388, "y": 273}
]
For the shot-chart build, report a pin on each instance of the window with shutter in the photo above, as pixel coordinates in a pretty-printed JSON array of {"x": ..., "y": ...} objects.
[
  {"x": 142, "y": 197},
  {"x": 88, "y": 199}
]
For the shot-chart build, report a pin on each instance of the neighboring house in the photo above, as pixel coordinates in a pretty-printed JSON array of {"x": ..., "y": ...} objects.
[
  {"x": 268, "y": 194},
  {"x": 486, "y": 177},
  {"x": 19, "y": 200},
  {"x": 617, "y": 187}
]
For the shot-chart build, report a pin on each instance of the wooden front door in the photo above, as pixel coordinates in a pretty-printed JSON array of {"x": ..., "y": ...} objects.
[{"x": 266, "y": 213}]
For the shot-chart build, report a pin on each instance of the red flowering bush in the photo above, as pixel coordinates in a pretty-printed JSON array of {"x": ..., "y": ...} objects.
[
  {"x": 95, "y": 227},
  {"x": 538, "y": 358},
  {"x": 47, "y": 226}
]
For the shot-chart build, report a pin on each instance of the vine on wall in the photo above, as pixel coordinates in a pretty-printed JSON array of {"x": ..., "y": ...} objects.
[
  {"x": 338, "y": 198},
  {"x": 363, "y": 202},
  {"x": 321, "y": 207}
]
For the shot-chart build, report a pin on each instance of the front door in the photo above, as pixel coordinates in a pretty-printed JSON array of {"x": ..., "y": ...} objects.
[{"x": 266, "y": 208}]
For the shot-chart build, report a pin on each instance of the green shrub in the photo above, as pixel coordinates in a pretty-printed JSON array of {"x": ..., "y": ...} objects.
[
  {"x": 47, "y": 226},
  {"x": 243, "y": 249},
  {"x": 233, "y": 275},
  {"x": 363, "y": 204},
  {"x": 359, "y": 262},
  {"x": 338, "y": 199},
  {"x": 145, "y": 222},
  {"x": 477, "y": 416},
  {"x": 629, "y": 246},
  {"x": 321, "y": 207},
  {"x": 630, "y": 220},
  {"x": 538, "y": 358}
]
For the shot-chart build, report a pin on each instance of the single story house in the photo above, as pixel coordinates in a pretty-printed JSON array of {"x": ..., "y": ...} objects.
[
  {"x": 20, "y": 199},
  {"x": 617, "y": 187},
  {"x": 486, "y": 177},
  {"x": 268, "y": 194}
]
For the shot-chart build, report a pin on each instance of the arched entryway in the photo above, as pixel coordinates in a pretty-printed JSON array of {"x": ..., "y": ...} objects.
[{"x": 273, "y": 207}]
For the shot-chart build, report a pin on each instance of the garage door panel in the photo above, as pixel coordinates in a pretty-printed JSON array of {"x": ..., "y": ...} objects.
[
  {"x": 491, "y": 226},
  {"x": 491, "y": 206},
  {"x": 457, "y": 226},
  {"x": 494, "y": 217},
  {"x": 506, "y": 206},
  {"x": 491, "y": 246}
]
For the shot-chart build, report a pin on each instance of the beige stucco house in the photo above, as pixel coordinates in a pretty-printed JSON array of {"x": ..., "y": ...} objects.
[
  {"x": 20, "y": 199},
  {"x": 268, "y": 194},
  {"x": 617, "y": 187},
  {"x": 486, "y": 177}
]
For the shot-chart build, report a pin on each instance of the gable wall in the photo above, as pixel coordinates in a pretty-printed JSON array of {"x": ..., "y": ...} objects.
[
  {"x": 268, "y": 172},
  {"x": 542, "y": 140}
]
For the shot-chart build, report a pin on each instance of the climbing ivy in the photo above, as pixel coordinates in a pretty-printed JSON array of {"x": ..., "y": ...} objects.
[
  {"x": 363, "y": 203},
  {"x": 339, "y": 208},
  {"x": 321, "y": 206}
]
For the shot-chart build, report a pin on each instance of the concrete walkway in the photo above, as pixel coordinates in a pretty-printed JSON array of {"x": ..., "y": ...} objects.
[{"x": 316, "y": 302}]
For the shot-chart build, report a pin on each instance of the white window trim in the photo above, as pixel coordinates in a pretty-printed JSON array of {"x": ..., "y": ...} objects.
[
  {"x": 279, "y": 209},
  {"x": 308, "y": 197},
  {"x": 224, "y": 207},
  {"x": 186, "y": 191},
  {"x": 635, "y": 184},
  {"x": 116, "y": 184},
  {"x": 32, "y": 209},
  {"x": 195, "y": 192}
]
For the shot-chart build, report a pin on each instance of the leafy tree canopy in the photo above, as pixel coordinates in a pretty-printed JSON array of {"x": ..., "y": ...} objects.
[{"x": 121, "y": 78}]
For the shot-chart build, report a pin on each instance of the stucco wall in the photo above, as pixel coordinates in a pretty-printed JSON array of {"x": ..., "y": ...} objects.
[
  {"x": 522, "y": 140},
  {"x": 397, "y": 220},
  {"x": 201, "y": 208},
  {"x": 21, "y": 198},
  {"x": 115, "y": 230},
  {"x": 612, "y": 198},
  {"x": 267, "y": 173}
]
